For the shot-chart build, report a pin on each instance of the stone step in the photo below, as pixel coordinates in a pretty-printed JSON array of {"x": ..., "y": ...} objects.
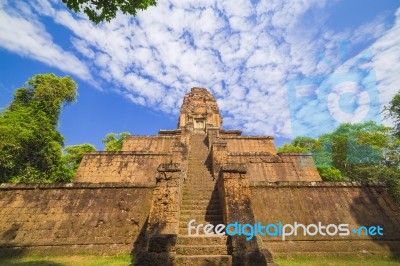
[
  {"x": 185, "y": 224},
  {"x": 201, "y": 202},
  {"x": 196, "y": 184},
  {"x": 201, "y": 206},
  {"x": 198, "y": 187},
  {"x": 201, "y": 178},
  {"x": 204, "y": 177},
  {"x": 201, "y": 212},
  {"x": 200, "y": 192},
  {"x": 200, "y": 196},
  {"x": 200, "y": 181},
  {"x": 203, "y": 260},
  {"x": 201, "y": 250},
  {"x": 200, "y": 184},
  {"x": 209, "y": 218},
  {"x": 185, "y": 231},
  {"x": 201, "y": 240},
  {"x": 204, "y": 186},
  {"x": 199, "y": 174}
]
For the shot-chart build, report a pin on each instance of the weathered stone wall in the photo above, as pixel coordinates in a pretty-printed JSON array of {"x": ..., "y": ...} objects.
[
  {"x": 139, "y": 167},
  {"x": 233, "y": 188},
  {"x": 250, "y": 144},
  {"x": 163, "y": 222},
  {"x": 355, "y": 204},
  {"x": 264, "y": 166},
  {"x": 304, "y": 165},
  {"x": 72, "y": 218},
  {"x": 149, "y": 143}
]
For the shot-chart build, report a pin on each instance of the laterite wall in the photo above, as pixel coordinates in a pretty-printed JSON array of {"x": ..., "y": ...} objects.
[
  {"x": 250, "y": 144},
  {"x": 263, "y": 166},
  {"x": 354, "y": 203},
  {"x": 149, "y": 143},
  {"x": 121, "y": 166},
  {"x": 72, "y": 218}
]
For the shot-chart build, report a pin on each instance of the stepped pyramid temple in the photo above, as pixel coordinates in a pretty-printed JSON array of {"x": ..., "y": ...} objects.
[{"x": 167, "y": 198}]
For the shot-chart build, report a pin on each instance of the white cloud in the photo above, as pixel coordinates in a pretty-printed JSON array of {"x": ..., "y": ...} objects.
[
  {"x": 242, "y": 52},
  {"x": 27, "y": 36}
]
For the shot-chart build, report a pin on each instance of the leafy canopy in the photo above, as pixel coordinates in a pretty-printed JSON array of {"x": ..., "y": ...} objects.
[
  {"x": 113, "y": 142},
  {"x": 106, "y": 10},
  {"x": 74, "y": 154},
  {"x": 360, "y": 152},
  {"x": 30, "y": 145},
  {"x": 393, "y": 111}
]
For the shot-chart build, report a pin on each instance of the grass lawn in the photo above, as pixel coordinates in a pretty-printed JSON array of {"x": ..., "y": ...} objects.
[
  {"x": 73, "y": 260},
  {"x": 337, "y": 261},
  {"x": 125, "y": 260}
]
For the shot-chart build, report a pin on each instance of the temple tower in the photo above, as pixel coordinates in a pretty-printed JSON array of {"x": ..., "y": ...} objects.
[{"x": 199, "y": 111}]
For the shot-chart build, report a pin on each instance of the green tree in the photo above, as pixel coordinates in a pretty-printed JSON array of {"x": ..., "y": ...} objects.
[
  {"x": 30, "y": 145},
  {"x": 73, "y": 156},
  {"x": 300, "y": 144},
  {"x": 291, "y": 148},
  {"x": 113, "y": 142},
  {"x": 106, "y": 10},
  {"x": 321, "y": 154},
  {"x": 357, "y": 146},
  {"x": 361, "y": 152},
  {"x": 393, "y": 111}
]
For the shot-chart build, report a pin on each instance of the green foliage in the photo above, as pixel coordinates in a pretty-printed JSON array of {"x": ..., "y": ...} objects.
[
  {"x": 354, "y": 144},
  {"x": 30, "y": 145},
  {"x": 113, "y": 142},
  {"x": 330, "y": 174},
  {"x": 300, "y": 144},
  {"x": 307, "y": 143},
  {"x": 106, "y": 10},
  {"x": 393, "y": 111},
  {"x": 360, "y": 152},
  {"x": 74, "y": 154},
  {"x": 291, "y": 148}
]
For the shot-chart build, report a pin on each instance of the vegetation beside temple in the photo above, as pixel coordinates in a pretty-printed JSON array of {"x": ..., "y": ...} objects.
[
  {"x": 31, "y": 148},
  {"x": 357, "y": 152}
]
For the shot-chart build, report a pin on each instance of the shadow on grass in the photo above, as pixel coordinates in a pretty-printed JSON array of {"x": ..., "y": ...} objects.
[{"x": 13, "y": 261}]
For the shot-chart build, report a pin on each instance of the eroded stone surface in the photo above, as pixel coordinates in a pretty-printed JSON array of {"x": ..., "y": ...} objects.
[{"x": 142, "y": 198}]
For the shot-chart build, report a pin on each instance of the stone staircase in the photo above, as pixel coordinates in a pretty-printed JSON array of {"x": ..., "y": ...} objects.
[{"x": 200, "y": 201}]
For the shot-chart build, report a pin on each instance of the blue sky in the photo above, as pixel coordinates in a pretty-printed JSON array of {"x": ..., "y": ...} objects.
[{"x": 282, "y": 68}]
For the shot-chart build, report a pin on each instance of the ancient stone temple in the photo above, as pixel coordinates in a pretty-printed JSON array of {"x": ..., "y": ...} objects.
[{"x": 144, "y": 199}]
